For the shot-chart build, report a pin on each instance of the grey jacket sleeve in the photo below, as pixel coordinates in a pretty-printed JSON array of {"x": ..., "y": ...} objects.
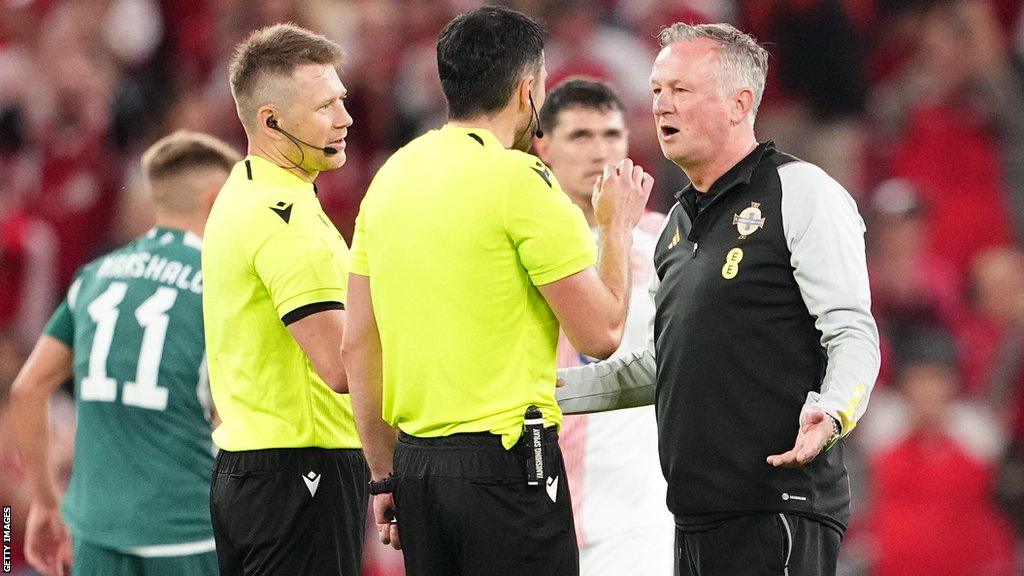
[
  {"x": 825, "y": 236},
  {"x": 625, "y": 381}
]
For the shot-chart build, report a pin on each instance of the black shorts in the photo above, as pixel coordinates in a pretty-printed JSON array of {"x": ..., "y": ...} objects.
[
  {"x": 760, "y": 544},
  {"x": 289, "y": 511},
  {"x": 464, "y": 509}
]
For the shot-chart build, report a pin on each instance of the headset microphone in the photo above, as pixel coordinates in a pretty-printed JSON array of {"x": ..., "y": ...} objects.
[
  {"x": 273, "y": 125},
  {"x": 539, "y": 132}
]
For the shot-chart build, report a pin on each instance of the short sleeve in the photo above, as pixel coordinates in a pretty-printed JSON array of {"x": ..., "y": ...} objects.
[
  {"x": 358, "y": 262},
  {"x": 300, "y": 270},
  {"x": 549, "y": 232},
  {"x": 62, "y": 323}
]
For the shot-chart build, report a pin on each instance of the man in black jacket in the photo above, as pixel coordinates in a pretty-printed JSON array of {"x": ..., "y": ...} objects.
[{"x": 765, "y": 347}]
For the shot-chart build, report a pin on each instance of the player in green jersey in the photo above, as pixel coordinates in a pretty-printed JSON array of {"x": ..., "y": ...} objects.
[{"x": 131, "y": 333}]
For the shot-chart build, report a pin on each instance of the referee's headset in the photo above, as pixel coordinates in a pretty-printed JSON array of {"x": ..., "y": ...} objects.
[
  {"x": 328, "y": 150},
  {"x": 538, "y": 132}
]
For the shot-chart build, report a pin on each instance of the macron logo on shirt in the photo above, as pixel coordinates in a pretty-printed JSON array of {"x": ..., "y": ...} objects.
[
  {"x": 283, "y": 210},
  {"x": 543, "y": 172}
]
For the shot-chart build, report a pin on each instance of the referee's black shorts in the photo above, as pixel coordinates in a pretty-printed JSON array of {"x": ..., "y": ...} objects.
[
  {"x": 289, "y": 511},
  {"x": 464, "y": 509}
]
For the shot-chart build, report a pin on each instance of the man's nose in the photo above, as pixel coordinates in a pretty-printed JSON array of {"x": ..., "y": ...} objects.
[
  {"x": 661, "y": 104},
  {"x": 344, "y": 120}
]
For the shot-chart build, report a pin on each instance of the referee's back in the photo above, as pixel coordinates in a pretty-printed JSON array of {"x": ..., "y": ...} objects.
[
  {"x": 464, "y": 251},
  {"x": 455, "y": 233}
]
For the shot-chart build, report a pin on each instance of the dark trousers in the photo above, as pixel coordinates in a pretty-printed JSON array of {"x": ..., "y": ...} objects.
[
  {"x": 464, "y": 509},
  {"x": 289, "y": 511},
  {"x": 763, "y": 544}
]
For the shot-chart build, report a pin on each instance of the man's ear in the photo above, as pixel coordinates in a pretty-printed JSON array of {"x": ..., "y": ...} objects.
[
  {"x": 742, "y": 105},
  {"x": 266, "y": 119},
  {"x": 524, "y": 91}
]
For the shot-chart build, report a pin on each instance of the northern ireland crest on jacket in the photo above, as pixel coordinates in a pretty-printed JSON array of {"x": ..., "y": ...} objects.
[{"x": 749, "y": 220}]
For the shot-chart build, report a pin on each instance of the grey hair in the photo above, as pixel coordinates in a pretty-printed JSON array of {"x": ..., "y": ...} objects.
[{"x": 742, "y": 63}]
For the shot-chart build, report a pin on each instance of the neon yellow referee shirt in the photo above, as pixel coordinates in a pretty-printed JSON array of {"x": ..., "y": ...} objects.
[
  {"x": 455, "y": 234},
  {"x": 271, "y": 256}
]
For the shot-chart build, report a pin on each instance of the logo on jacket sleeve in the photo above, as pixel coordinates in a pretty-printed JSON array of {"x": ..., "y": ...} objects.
[
  {"x": 284, "y": 210},
  {"x": 543, "y": 172},
  {"x": 749, "y": 220},
  {"x": 675, "y": 240}
]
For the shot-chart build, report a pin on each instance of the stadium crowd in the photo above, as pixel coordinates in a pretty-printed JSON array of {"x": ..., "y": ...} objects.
[{"x": 915, "y": 106}]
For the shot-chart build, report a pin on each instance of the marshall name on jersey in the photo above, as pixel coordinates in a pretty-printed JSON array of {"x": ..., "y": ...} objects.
[{"x": 146, "y": 266}]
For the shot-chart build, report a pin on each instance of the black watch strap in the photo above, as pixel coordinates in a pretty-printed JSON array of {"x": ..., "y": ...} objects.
[{"x": 385, "y": 486}]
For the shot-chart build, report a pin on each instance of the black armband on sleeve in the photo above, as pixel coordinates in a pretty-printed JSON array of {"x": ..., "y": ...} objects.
[{"x": 310, "y": 309}]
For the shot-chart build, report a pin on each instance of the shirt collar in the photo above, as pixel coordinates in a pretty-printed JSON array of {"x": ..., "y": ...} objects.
[
  {"x": 739, "y": 174},
  {"x": 259, "y": 169},
  {"x": 160, "y": 230},
  {"x": 483, "y": 136},
  {"x": 188, "y": 238}
]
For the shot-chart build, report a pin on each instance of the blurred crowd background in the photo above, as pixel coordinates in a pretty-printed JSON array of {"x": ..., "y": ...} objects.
[{"x": 916, "y": 106}]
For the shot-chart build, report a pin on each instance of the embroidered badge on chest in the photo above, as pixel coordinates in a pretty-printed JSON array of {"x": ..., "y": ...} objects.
[
  {"x": 732, "y": 263},
  {"x": 749, "y": 220}
]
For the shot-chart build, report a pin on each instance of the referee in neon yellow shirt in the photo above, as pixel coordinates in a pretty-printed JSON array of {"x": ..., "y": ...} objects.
[
  {"x": 466, "y": 257},
  {"x": 289, "y": 489}
]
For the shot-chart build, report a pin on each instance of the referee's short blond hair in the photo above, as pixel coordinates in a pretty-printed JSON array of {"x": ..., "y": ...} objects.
[
  {"x": 168, "y": 164},
  {"x": 272, "y": 53}
]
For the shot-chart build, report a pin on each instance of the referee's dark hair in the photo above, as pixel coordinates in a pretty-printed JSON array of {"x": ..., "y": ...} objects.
[
  {"x": 481, "y": 56},
  {"x": 578, "y": 92}
]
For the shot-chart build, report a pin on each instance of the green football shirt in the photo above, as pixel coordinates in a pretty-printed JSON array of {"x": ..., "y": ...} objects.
[
  {"x": 455, "y": 234},
  {"x": 271, "y": 255},
  {"x": 143, "y": 452}
]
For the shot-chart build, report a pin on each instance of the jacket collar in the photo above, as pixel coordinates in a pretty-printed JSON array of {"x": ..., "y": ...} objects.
[{"x": 740, "y": 174}]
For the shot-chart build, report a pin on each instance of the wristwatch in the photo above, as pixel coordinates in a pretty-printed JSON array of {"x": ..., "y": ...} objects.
[
  {"x": 837, "y": 432},
  {"x": 385, "y": 486}
]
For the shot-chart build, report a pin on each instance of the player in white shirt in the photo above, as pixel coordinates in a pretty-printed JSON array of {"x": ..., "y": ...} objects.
[{"x": 611, "y": 458}]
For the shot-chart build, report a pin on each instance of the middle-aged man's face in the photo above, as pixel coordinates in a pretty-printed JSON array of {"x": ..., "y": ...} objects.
[
  {"x": 580, "y": 144},
  {"x": 315, "y": 113},
  {"x": 691, "y": 115}
]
